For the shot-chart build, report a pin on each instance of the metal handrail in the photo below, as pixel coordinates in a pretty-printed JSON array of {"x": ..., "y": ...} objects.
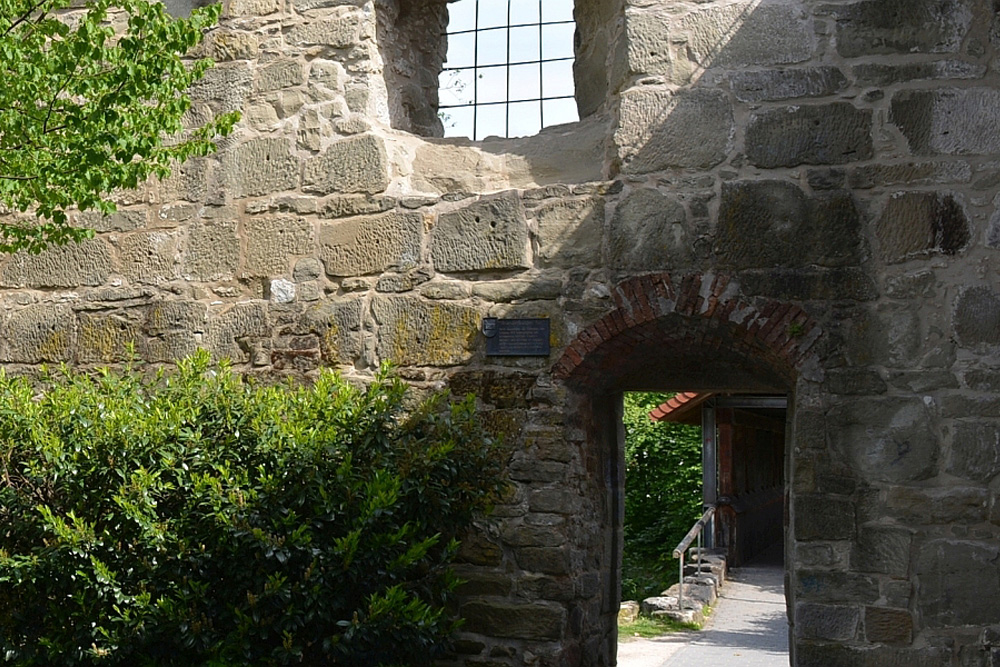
[{"x": 684, "y": 545}]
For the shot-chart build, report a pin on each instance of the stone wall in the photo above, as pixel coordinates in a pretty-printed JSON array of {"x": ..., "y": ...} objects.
[{"x": 782, "y": 195}]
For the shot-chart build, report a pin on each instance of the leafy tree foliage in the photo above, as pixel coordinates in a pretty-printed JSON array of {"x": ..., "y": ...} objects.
[
  {"x": 662, "y": 494},
  {"x": 200, "y": 519},
  {"x": 90, "y": 95}
]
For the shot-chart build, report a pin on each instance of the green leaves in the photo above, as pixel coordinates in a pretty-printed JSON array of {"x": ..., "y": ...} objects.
[
  {"x": 85, "y": 111},
  {"x": 662, "y": 494},
  {"x": 198, "y": 518}
]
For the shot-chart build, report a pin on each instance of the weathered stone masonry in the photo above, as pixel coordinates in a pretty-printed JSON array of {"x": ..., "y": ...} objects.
[{"x": 785, "y": 195}]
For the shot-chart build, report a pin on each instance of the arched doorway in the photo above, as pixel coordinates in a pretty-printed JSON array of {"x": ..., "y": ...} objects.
[{"x": 694, "y": 333}]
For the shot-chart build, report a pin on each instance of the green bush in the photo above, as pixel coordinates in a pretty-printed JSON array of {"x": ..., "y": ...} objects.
[
  {"x": 662, "y": 494},
  {"x": 203, "y": 519}
]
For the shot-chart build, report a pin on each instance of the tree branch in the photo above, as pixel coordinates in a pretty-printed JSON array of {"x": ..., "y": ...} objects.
[{"x": 24, "y": 17}]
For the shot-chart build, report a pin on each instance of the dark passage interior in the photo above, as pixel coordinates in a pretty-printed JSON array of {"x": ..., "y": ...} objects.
[{"x": 743, "y": 447}]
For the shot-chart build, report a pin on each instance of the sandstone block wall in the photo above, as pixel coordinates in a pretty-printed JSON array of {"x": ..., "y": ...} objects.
[{"x": 783, "y": 195}]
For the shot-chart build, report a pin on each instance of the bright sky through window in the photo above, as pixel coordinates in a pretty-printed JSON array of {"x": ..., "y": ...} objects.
[{"x": 509, "y": 71}]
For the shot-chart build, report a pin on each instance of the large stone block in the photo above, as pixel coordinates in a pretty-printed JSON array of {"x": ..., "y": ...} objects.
[
  {"x": 521, "y": 535},
  {"x": 546, "y": 560},
  {"x": 259, "y": 167},
  {"x": 879, "y": 74},
  {"x": 164, "y": 317},
  {"x": 819, "y": 555},
  {"x": 851, "y": 284},
  {"x": 212, "y": 251},
  {"x": 414, "y": 332},
  {"x": 169, "y": 347},
  {"x": 39, "y": 334},
  {"x": 348, "y": 206},
  {"x": 937, "y": 505},
  {"x": 105, "y": 339},
  {"x": 252, "y": 8},
  {"x": 874, "y": 27},
  {"x": 226, "y": 45},
  {"x": 476, "y": 583},
  {"x": 505, "y": 291},
  {"x": 513, "y": 620},
  {"x": 150, "y": 257},
  {"x": 909, "y": 174},
  {"x": 735, "y": 35},
  {"x": 357, "y": 164},
  {"x": 993, "y": 230},
  {"x": 975, "y": 450},
  {"x": 191, "y": 181},
  {"x": 478, "y": 549},
  {"x": 279, "y": 74},
  {"x": 977, "y": 317},
  {"x": 89, "y": 262},
  {"x": 338, "y": 325},
  {"x": 826, "y": 654},
  {"x": 888, "y": 626},
  {"x": 371, "y": 244},
  {"x": 272, "y": 242},
  {"x": 830, "y": 586},
  {"x": 835, "y": 133},
  {"x": 570, "y": 232},
  {"x": 327, "y": 73},
  {"x": 490, "y": 233},
  {"x": 784, "y": 84},
  {"x": 338, "y": 29},
  {"x": 885, "y": 439},
  {"x": 949, "y": 121},
  {"x": 890, "y": 337},
  {"x": 226, "y": 87},
  {"x": 500, "y": 390},
  {"x": 822, "y": 517},
  {"x": 662, "y": 129},
  {"x": 534, "y": 587},
  {"x": 767, "y": 224},
  {"x": 444, "y": 168},
  {"x": 914, "y": 223},
  {"x": 122, "y": 220},
  {"x": 824, "y": 621},
  {"x": 230, "y": 332},
  {"x": 882, "y": 549},
  {"x": 958, "y": 583},
  {"x": 855, "y": 382},
  {"x": 648, "y": 232},
  {"x": 531, "y": 470}
]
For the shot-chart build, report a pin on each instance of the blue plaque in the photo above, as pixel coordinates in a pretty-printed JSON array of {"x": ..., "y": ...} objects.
[{"x": 517, "y": 337}]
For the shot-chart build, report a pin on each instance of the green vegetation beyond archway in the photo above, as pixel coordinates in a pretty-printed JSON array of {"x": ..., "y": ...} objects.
[{"x": 662, "y": 494}]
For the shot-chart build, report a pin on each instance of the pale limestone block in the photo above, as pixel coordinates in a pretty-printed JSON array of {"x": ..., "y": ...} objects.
[{"x": 371, "y": 244}]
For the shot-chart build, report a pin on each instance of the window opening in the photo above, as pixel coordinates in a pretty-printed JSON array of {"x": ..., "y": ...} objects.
[{"x": 509, "y": 69}]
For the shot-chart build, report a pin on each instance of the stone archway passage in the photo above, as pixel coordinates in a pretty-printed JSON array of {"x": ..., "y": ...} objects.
[
  {"x": 694, "y": 332},
  {"x": 716, "y": 316}
]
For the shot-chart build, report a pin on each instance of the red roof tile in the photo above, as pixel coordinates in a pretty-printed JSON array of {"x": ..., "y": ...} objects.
[{"x": 679, "y": 407}]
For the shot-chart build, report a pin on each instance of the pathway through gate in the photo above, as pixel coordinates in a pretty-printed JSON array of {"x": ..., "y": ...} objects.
[{"x": 749, "y": 627}]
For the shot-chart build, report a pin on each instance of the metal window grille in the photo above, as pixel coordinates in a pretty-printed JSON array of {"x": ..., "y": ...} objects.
[{"x": 509, "y": 70}]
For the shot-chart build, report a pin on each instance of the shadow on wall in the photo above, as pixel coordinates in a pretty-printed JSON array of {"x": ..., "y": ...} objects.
[
  {"x": 705, "y": 94},
  {"x": 680, "y": 84}
]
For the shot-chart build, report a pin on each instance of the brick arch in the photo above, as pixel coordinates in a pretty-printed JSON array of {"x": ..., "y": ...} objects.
[{"x": 697, "y": 311}]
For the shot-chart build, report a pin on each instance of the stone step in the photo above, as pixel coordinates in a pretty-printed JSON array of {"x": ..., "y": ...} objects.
[
  {"x": 690, "y": 616},
  {"x": 705, "y": 574},
  {"x": 662, "y": 603},
  {"x": 628, "y": 611}
]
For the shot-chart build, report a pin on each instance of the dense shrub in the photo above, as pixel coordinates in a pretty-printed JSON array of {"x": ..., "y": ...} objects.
[
  {"x": 662, "y": 494},
  {"x": 202, "y": 519}
]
